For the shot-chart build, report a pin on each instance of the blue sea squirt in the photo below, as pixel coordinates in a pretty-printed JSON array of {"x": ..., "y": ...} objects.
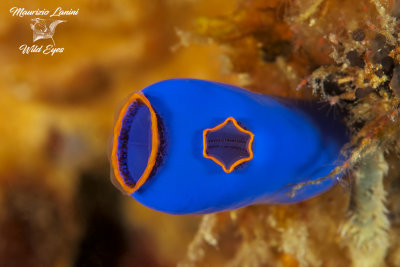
[{"x": 192, "y": 146}]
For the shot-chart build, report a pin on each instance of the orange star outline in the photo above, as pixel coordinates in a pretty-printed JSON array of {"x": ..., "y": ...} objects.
[{"x": 238, "y": 161}]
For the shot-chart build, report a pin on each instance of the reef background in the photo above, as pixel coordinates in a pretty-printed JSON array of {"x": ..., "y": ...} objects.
[{"x": 57, "y": 205}]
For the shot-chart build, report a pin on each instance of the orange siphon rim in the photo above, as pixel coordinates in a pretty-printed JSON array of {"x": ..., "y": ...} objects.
[
  {"x": 234, "y": 165},
  {"x": 154, "y": 144}
]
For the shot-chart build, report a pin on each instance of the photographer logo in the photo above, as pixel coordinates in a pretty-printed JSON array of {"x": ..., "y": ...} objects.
[{"x": 43, "y": 29}]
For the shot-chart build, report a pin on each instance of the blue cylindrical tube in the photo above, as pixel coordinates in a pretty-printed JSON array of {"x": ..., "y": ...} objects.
[{"x": 192, "y": 146}]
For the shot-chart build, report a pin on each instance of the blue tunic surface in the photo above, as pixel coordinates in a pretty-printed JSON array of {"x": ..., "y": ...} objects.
[{"x": 291, "y": 145}]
